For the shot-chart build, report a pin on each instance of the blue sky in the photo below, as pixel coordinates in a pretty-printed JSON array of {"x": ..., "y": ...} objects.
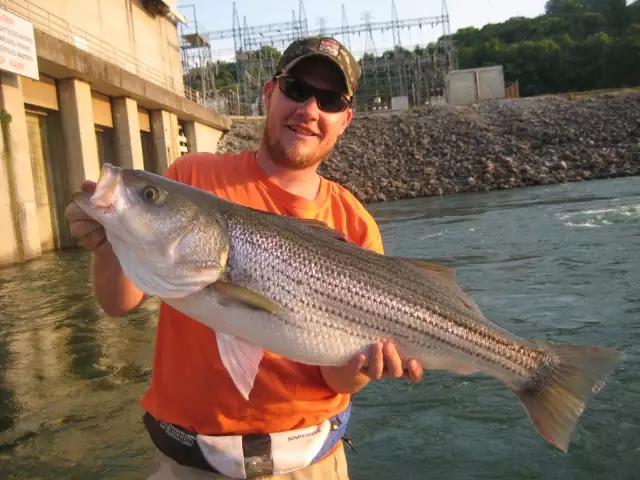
[{"x": 215, "y": 15}]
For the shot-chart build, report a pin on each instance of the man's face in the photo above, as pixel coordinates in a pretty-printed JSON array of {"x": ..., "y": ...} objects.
[{"x": 298, "y": 134}]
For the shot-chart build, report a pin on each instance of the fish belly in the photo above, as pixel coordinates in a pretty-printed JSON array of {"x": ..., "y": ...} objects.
[{"x": 303, "y": 341}]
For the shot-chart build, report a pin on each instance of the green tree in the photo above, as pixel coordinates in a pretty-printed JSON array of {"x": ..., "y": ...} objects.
[{"x": 575, "y": 45}]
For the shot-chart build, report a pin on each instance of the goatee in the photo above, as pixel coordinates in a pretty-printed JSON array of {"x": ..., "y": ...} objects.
[{"x": 290, "y": 158}]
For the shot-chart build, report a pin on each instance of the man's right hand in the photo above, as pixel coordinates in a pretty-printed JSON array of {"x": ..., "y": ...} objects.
[
  {"x": 115, "y": 293},
  {"x": 90, "y": 233}
]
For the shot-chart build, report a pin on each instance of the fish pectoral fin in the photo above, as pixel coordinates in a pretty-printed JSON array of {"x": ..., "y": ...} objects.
[
  {"x": 241, "y": 359},
  {"x": 246, "y": 296}
]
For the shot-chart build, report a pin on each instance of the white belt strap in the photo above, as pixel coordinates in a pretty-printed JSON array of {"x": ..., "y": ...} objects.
[
  {"x": 249, "y": 456},
  {"x": 290, "y": 451}
]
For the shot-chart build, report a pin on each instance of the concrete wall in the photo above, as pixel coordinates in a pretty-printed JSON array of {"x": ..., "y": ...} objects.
[
  {"x": 461, "y": 87},
  {"x": 9, "y": 250},
  {"x": 201, "y": 138},
  {"x": 59, "y": 59},
  {"x": 465, "y": 87},
  {"x": 85, "y": 110},
  {"x": 17, "y": 165},
  {"x": 400, "y": 102},
  {"x": 123, "y": 24},
  {"x": 60, "y": 131},
  {"x": 491, "y": 83}
]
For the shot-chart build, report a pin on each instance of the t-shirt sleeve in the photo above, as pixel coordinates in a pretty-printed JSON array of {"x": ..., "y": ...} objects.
[
  {"x": 178, "y": 170},
  {"x": 371, "y": 237},
  {"x": 189, "y": 168},
  {"x": 365, "y": 227}
]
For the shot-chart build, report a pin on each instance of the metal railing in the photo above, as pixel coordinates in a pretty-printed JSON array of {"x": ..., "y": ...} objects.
[{"x": 57, "y": 27}]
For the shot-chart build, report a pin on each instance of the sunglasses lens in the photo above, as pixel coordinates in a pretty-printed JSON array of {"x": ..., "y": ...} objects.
[
  {"x": 331, "y": 102},
  {"x": 300, "y": 91},
  {"x": 294, "y": 89}
]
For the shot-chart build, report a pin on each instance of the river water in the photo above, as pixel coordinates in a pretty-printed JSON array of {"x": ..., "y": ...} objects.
[{"x": 559, "y": 262}]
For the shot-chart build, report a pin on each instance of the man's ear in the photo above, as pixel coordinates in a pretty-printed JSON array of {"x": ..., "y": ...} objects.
[
  {"x": 348, "y": 116},
  {"x": 267, "y": 91}
]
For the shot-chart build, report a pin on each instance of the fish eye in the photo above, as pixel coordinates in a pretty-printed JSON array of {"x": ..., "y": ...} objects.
[{"x": 150, "y": 194}]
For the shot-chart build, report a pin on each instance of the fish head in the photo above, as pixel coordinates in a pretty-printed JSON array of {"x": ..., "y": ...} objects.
[{"x": 168, "y": 240}]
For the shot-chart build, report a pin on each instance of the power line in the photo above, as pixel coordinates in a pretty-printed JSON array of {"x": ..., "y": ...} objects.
[{"x": 420, "y": 74}]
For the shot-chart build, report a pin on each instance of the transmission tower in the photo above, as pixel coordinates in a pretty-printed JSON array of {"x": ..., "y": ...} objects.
[
  {"x": 418, "y": 74},
  {"x": 370, "y": 43},
  {"x": 345, "y": 29},
  {"x": 302, "y": 19},
  {"x": 195, "y": 55},
  {"x": 322, "y": 21},
  {"x": 395, "y": 25},
  {"x": 452, "y": 58},
  {"x": 366, "y": 18}
]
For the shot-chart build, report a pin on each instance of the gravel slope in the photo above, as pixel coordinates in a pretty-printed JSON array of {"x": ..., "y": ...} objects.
[{"x": 502, "y": 144}]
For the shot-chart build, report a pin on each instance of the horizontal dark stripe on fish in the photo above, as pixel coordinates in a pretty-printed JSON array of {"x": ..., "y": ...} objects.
[
  {"x": 327, "y": 274},
  {"x": 493, "y": 356}
]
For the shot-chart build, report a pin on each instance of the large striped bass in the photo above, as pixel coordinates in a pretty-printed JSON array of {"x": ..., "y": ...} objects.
[{"x": 297, "y": 289}]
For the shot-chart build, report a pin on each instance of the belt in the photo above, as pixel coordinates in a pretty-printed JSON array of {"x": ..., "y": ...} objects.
[{"x": 249, "y": 456}]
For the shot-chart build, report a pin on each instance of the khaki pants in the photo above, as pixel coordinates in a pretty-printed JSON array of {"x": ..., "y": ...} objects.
[{"x": 333, "y": 467}]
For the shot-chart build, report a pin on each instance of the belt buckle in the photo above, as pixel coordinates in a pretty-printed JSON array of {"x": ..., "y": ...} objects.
[{"x": 258, "y": 460}]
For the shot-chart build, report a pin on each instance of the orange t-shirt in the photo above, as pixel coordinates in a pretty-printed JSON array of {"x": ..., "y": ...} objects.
[{"x": 190, "y": 387}]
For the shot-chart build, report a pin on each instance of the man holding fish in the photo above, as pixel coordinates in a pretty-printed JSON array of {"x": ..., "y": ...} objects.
[{"x": 198, "y": 409}]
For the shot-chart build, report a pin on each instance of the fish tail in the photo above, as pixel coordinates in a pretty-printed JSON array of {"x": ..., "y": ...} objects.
[{"x": 555, "y": 397}]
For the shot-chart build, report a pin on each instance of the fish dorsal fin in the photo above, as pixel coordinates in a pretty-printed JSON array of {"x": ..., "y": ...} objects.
[
  {"x": 241, "y": 359},
  {"x": 446, "y": 273},
  {"x": 317, "y": 225},
  {"x": 322, "y": 227}
]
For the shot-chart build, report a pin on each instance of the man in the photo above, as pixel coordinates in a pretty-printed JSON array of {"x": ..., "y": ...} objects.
[{"x": 292, "y": 425}]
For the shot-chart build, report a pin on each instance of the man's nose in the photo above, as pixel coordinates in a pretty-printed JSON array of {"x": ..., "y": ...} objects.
[{"x": 309, "y": 108}]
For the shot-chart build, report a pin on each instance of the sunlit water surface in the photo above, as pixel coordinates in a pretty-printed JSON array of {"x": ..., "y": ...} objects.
[{"x": 560, "y": 262}]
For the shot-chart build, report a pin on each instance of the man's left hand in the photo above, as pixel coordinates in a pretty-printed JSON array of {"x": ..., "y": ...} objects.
[{"x": 384, "y": 363}]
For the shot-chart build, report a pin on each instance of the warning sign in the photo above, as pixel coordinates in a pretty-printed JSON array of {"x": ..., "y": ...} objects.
[{"x": 17, "y": 46}]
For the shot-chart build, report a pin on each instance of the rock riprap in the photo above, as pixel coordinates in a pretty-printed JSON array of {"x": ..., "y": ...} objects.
[{"x": 443, "y": 149}]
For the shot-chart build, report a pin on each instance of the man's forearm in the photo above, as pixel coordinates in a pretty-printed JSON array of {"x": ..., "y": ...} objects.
[{"x": 116, "y": 294}]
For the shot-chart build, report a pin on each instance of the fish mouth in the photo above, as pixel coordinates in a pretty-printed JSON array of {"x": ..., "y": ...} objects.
[
  {"x": 102, "y": 200},
  {"x": 104, "y": 195},
  {"x": 82, "y": 200}
]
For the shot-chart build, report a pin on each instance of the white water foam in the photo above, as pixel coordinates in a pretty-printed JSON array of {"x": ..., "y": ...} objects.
[
  {"x": 431, "y": 235},
  {"x": 587, "y": 224},
  {"x": 597, "y": 218}
]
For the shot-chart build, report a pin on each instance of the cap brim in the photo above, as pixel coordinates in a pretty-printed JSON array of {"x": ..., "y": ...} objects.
[{"x": 293, "y": 63}]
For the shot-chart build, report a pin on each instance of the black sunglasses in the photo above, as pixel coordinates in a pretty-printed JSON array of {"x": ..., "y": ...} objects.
[{"x": 299, "y": 91}]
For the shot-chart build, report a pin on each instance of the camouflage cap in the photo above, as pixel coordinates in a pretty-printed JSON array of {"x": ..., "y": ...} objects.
[{"x": 326, "y": 47}]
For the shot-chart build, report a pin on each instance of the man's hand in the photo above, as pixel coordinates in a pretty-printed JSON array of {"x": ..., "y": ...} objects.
[
  {"x": 116, "y": 294},
  {"x": 384, "y": 363},
  {"x": 90, "y": 233}
]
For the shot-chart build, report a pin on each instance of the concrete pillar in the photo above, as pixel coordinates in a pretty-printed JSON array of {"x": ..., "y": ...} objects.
[
  {"x": 164, "y": 131},
  {"x": 78, "y": 130},
  {"x": 127, "y": 130},
  {"x": 201, "y": 138},
  {"x": 16, "y": 159},
  {"x": 9, "y": 252}
]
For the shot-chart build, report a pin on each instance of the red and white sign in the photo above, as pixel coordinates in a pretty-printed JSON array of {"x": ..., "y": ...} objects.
[
  {"x": 329, "y": 46},
  {"x": 17, "y": 46}
]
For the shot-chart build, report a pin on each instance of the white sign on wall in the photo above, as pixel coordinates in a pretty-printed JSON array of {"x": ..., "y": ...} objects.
[{"x": 17, "y": 46}]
